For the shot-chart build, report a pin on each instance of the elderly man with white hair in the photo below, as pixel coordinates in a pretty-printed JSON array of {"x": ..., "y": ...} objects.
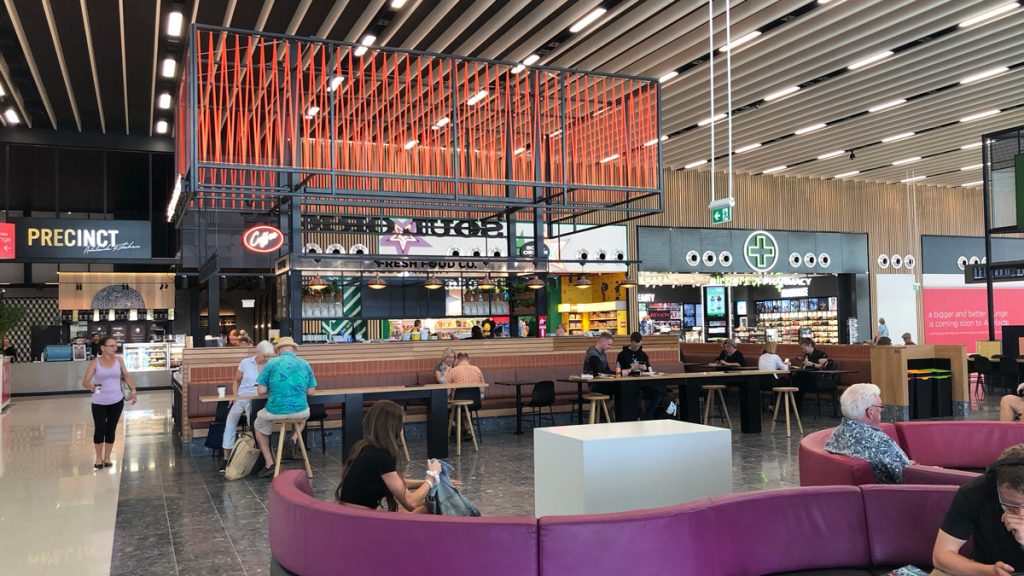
[{"x": 858, "y": 435}]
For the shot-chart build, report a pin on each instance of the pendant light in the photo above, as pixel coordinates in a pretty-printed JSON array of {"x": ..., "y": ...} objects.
[
  {"x": 317, "y": 284},
  {"x": 376, "y": 283},
  {"x": 535, "y": 283},
  {"x": 432, "y": 283},
  {"x": 583, "y": 282},
  {"x": 486, "y": 283},
  {"x": 629, "y": 282}
]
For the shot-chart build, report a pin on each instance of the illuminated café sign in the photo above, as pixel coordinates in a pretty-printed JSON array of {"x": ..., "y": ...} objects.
[
  {"x": 415, "y": 226},
  {"x": 66, "y": 238},
  {"x": 262, "y": 239}
]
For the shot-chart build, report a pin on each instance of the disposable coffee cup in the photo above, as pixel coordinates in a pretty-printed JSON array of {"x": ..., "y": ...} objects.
[
  {"x": 99, "y": 387},
  {"x": 221, "y": 390}
]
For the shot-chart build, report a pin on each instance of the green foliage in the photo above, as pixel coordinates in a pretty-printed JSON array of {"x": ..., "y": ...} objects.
[{"x": 9, "y": 317}]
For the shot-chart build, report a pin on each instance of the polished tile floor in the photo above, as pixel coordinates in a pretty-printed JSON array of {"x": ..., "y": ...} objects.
[{"x": 164, "y": 509}]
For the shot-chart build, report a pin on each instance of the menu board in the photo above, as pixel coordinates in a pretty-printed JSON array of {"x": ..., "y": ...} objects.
[
  {"x": 716, "y": 301},
  {"x": 119, "y": 331}
]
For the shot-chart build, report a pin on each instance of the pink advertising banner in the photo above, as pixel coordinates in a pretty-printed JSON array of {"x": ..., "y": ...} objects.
[{"x": 960, "y": 315}]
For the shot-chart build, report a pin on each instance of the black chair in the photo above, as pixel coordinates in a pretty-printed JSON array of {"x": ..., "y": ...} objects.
[
  {"x": 543, "y": 395},
  {"x": 983, "y": 368},
  {"x": 317, "y": 414},
  {"x": 1009, "y": 374},
  {"x": 477, "y": 398}
]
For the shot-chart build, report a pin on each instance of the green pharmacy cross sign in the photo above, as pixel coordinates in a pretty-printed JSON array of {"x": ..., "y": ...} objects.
[
  {"x": 761, "y": 251},
  {"x": 721, "y": 210}
]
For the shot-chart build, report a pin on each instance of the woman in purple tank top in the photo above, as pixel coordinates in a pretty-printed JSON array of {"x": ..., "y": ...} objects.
[{"x": 103, "y": 378}]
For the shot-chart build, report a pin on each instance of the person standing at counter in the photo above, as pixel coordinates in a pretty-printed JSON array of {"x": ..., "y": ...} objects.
[
  {"x": 94, "y": 345},
  {"x": 9, "y": 349},
  {"x": 103, "y": 378},
  {"x": 881, "y": 331},
  {"x": 245, "y": 384},
  {"x": 476, "y": 333}
]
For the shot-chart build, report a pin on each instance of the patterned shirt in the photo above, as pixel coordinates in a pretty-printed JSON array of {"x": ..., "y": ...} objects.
[
  {"x": 287, "y": 378},
  {"x": 464, "y": 374},
  {"x": 867, "y": 442}
]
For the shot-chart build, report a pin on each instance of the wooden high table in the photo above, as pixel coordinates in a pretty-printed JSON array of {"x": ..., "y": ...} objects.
[
  {"x": 889, "y": 366},
  {"x": 627, "y": 402},
  {"x": 353, "y": 399}
]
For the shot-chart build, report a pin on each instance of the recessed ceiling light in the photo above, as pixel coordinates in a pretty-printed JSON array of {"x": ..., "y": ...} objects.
[
  {"x": 835, "y": 154},
  {"x": 980, "y": 115},
  {"x": 174, "y": 21},
  {"x": 695, "y": 164},
  {"x": 972, "y": 184},
  {"x": 444, "y": 120},
  {"x": 969, "y": 146},
  {"x": 2, "y": 93},
  {"x": 740, "y": 41},
  {"x": 747, "y": 148},
  {"x": 168, "y": 68},
  {"x": 335, "y": 82},
  {"x": 810, "y": 128},
  {"x": 906, "y": 161},
  {"x": 870, "y": 60},
  {"x": 847, "y": 174},
  {"x": 609, "y": 158},
  {"x": 587, "y": 20},
  {"x": 517, "y": 69},
  {"x": 476, "y": 98},
  {"x": 984, "y": 74},
  {"x": 977, "y": 19},
  {"x": 161, "y": 127},
  {"x": 654, "y": 141},
  {"x": 902, "y": 136},
  {"x": 667, "y": 77},
  {"x": 781, "y": 93},
  {"x": 367, "y": 40},
  {"x": 396, "y": 4},
  {"x": 164, "y": 101},
  {"x": 519, "y": 151},
  {"x": 912, "y": 179},
  {"x": 707, "y": 121},
  {"x": 312, "y": 111},
  {"x": 531, "y": 59},
  {"x": 971, "y": 167},
  {"x": 774, "y": 170},
  {"x": 11, "y": 116},
  {"x": 411, "y": 144},
  {"x": 887, "y": 105}
]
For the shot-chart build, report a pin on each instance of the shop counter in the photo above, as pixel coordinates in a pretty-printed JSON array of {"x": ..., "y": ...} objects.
[{"x": 28, "y": 378}]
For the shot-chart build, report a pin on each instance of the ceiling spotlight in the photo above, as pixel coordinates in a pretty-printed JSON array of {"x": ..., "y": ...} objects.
[
  {"x": 870, "y": 60},
  {"x": 164, "y": 101},
  {"x": 531, "y": 59},
  {"x": 887, "y": 105},
  {"x": 914, "y": 179},
  {"x": 168, "y": 68},
  {"x": 432, "y": 283},
  {"x": 654, "y": 141},
  {"x": 411, "y": 144},
  {"x": 608, "y": 159},
  {"x": 367, "y": 41},
  {"x": 486, "y": 283},
  {"x": 667, "y": 77},
  {"x": 810, "y": 128},
  {"x": 740, "y": 41},
  {"x": 335, "y": 82},
  {"x": 714, "y": 118},
  {"x": 910, "y": 160},
  {"x": 12, "y": 116},
  {"x": 897, "y": 137},
  {"x": 774, "y": 170},
  {"x": 835, "y": 154},
  {"x": 396, "y": 4},
  {"x": 583, "y": 282},
  {"x": 174, "y": 22},
  {"x": 161, "y": 127},
  {"x": 376, "y": 283},
  {"x": 587, "y": 20},
  {"x": 747, "y": 148},
  {"x": 535, "y": 283},
  {"x": 781, "y": 93},
  {"x": 695, "y": 164},
  {"x": 847, "y": 174},
  {"x": 476, "y": 98}
]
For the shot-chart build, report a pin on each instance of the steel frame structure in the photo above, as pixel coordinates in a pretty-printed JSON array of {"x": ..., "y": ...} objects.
[
  {"x": 999, "y": 148},
  {"x": 346, "y": 129}
]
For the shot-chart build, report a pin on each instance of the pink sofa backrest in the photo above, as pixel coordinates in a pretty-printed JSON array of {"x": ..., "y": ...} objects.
[
  {"x": 818, "y": 467},
  {"x": 958, "y": 444},
  {"x": 903, "y": 522},
  {"x": 313, "y": 538}
]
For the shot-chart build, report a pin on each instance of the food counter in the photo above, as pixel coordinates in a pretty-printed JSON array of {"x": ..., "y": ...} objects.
[{"x": 149, "y": 364}]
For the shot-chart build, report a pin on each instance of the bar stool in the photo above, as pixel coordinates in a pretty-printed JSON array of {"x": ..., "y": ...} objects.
[
  {"x": 461, "y": 408},
  {"x": 405, "y": 447},
  {"x": 785, "y": 393},
  {"x": 714, "y": 390},
  {"x": 598, "y": 402},
  {"x": 296, "y": 424}
]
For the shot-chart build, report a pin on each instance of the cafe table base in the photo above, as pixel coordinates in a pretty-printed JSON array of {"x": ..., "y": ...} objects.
[{"x": 437, "y": 418}]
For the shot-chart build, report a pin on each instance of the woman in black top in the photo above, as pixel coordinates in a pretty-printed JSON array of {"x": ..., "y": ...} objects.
[
  {"x": 371, "y": 471},
  {"x": 9, "y": 348}
]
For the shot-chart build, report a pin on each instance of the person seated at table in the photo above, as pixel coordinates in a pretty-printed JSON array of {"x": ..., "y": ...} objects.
[
  {"x": 465, "y": 373},
  {"x": 1011, "y": 406},
  {"x": 371, "y": 470},
  {"x": 730, "y": 356},
  {"x": 884, "y": 341},
  {"x": 286, "y": 380},
  {"x": 633, "y": 359},
  {"x": 989, "y": 511},
  {"x": 858, "y": 435},
  {"x": 447, "y": 363},
  {"x": 770, "y": 360},
  {"x": 596, "y": 363},
  {"x": 908, "y": 340},
  {"x": 245, "y": 385},
  {"x": 812, "y": 360}
]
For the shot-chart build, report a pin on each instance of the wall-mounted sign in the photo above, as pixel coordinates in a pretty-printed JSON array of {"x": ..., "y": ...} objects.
[
  {"x": 7, "y": 241},
  {"x": 262, "y": 239},
  {"x": 67, "y": 238},
  {"x": 761, "y": 251}
]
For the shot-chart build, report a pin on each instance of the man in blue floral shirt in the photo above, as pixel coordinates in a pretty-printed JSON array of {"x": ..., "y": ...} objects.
[{"x": 858, "y": 436}]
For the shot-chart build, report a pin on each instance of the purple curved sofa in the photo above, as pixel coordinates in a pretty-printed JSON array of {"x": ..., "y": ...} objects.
[
  {"x": 941, "y": 451},
  {"x": 857, "y": 529}
]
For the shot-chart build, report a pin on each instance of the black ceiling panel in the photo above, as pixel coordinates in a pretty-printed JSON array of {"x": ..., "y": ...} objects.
[
  {"x": 106, "y": 39},
  {"x": 139, "y": 29},
  {"x": 68, "y": 16},
  {"x": 33, "y": 19}
]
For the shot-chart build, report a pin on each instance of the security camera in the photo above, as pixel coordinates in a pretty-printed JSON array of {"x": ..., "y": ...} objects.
[{"x": 853, "y": 154}]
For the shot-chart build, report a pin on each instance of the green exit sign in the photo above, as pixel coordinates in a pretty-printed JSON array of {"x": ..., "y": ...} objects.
[{"x": 722, "y": 214}]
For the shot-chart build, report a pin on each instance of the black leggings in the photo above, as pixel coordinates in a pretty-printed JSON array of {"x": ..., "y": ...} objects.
[{"x": 105, "y": 417}]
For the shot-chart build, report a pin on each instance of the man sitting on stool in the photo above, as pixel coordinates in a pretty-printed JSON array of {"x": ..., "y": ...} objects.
[
  {"x": 287, "y": 380},
  {"x": 595, "y": 362},
  {"x": 858, "y": 435},
  {"x": 631, "y": 360}
]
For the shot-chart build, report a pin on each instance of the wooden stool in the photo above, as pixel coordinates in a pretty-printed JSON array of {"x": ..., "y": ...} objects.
[
  {"x": 461, "y": 408},
  {"x": 405, "y": 447},
  {"x": 786, "y": 393},
  {"x": 297, "y": 424},
  {"x": 598, "y": 402},
  {"x": 711, "y": 390}
]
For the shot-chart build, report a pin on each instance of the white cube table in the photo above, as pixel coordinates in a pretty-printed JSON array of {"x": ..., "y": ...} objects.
[{"x": 599, "y": 468}]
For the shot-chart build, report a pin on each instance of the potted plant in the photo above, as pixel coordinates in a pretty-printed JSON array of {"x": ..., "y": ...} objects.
[{"x": 9, "y": 317}]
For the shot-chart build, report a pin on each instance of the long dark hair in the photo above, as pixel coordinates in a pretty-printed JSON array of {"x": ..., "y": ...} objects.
[{"x": 383, "y": 426}]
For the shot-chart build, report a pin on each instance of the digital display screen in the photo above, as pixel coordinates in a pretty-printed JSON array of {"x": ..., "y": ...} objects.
[{"x": 715, "y": 296}]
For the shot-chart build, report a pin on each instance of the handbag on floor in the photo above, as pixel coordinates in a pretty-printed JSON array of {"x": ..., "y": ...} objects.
[{"x": 243, "y": 457}]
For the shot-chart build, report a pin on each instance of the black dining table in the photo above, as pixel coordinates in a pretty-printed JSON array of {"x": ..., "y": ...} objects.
[{"x": 519, "y": 399}]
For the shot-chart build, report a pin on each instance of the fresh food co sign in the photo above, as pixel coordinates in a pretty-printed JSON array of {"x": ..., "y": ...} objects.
[
  {"x": 262, "y": 239},
  {"x": 81, "y": 239}
]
